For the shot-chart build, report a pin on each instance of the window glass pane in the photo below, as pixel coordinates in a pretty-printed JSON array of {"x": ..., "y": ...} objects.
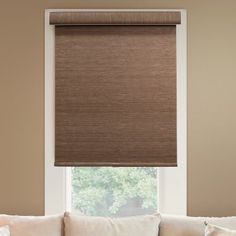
[{"x": 108, "y": 191}]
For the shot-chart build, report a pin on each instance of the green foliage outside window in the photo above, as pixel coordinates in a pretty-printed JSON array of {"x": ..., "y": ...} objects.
[{"x": 107, "y": 191}]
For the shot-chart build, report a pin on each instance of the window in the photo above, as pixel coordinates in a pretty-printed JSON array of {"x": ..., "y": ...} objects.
[
  {"x": 61, "y": 182},
  {"x": 109, "y": 191}
]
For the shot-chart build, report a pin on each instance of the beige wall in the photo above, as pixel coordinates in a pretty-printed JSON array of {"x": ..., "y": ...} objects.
[{"x": 211, "y": 101}]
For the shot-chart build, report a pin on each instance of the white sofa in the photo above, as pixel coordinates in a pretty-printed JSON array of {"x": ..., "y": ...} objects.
[{"x": 71, "y": 225}]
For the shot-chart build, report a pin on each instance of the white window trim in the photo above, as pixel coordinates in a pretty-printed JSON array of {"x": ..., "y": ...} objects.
[{"x": 172, "y": 180}]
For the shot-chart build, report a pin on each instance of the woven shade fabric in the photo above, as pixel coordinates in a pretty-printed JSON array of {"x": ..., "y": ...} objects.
[{"x": 115, "y": 95}]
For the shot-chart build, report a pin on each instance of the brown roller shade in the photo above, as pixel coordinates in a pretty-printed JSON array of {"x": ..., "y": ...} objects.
[
  {"x": 115, "y": 92},
  {"x": 115, "y": 18}
]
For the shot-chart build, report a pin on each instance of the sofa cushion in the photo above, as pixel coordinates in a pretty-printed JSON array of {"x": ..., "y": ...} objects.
[
  {"x": 100, "y": 226},
  {"x": 33, "y": 225},
  {"x": 213, "y": 230},
  {"x": 191, "y": 226},
  {"x": 4, "y": 231}
]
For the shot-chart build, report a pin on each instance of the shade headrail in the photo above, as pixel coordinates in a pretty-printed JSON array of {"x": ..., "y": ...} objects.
[{"x": 116, "y": 18}]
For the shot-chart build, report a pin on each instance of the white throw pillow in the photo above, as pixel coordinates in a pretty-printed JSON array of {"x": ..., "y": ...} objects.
[
  {"x": 100, "y": 226},
  {"x": 33, "y": 225},
  {"x": 4, "y": 231},
  {"x": 213, "y": 230}
]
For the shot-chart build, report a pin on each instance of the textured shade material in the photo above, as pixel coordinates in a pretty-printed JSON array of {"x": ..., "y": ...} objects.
[{"x": 115, "y": 96}]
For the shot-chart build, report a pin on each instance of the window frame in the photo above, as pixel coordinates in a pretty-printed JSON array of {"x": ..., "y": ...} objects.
[{"x": 58, "y": 179}]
